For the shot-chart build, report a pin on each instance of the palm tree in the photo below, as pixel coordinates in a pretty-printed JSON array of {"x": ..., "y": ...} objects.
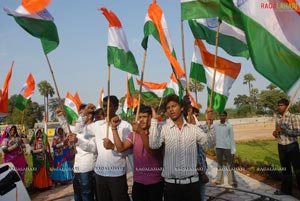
[
  {"x": 271, "y": 86},
  {"x": 248, "y": 78},
  {"x": 46, "y": 90},
  {"x": 196, "y": 86}
]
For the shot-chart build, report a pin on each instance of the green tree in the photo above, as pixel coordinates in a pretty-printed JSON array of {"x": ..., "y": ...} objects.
[
  {"x": 195, "y": 86},
  {"x": 248, "y": 78},
  {"x": 269, "y": 98},
  {"x": 46, "y": 90},
  {"x": 271, "y": 86},
  {"x": 241, "y": 100}
]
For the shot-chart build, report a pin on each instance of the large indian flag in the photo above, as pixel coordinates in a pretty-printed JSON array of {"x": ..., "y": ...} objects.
[
  {"x": 71, "y": 107},
  {"x": 152, "y": 90},
  {"x": 202, "y": 69},
  {"x": 25, "y": 93},
  {"x": 272, "y": 36},
  {"x": 118, "y": 52},
  {"x": 37, "y": 21},
  {"x": 156, "y": 25},
  {"x": 4, "y": 94},
  {"x": 231, "y": 38}
]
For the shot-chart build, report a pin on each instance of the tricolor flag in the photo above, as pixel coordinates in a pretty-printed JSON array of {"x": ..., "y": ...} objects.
[
  {"x": 152, "y": 90},
  {"x": 71, "y": 107},
  {"x": 156, "y": 25},
  {"x": 77, "y": 98},
  {"x": 127, "y": 109},
  {"x": 272, "y": 37},
  {"x": 173, "y": 87},
  {"x": 37, "y": 21},
  {"x": 101, "y": 98},
  {"x": 25, "y": 93},
  {"x": 194, "y": 9},
  {"x": 231, "y": 39},
  {"x": 202, "y": 69},
  {"x": 4, "y": 94},
  {"x": 118, "y": 52}
]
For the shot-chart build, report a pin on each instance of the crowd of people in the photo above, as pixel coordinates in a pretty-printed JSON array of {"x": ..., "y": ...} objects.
[{"x": 169, "y": 161}]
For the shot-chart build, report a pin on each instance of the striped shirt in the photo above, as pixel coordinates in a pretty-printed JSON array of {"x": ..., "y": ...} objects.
[
  {"x": 180, "y": 157},
  {"x": 290, "y": 128}
]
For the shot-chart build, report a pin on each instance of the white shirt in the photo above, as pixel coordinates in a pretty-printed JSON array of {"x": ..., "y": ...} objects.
[{"x": 109, "y": 162}]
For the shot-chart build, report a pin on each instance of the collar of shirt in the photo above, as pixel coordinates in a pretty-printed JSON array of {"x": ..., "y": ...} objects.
[
  {"x": 171, "y": 124},
  {"x": 225, "y": 124}
]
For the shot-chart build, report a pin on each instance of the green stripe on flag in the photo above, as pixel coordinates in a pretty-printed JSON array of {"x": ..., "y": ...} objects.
[
  {"x": 199, "y": 9},
  {"x": 71, "y": 115},
  {"x": 218, "y": 101},
  {"x": 21, "y": 102},
  {"x": 197, "y": 72},
  {"x": 122, "y": 60}
]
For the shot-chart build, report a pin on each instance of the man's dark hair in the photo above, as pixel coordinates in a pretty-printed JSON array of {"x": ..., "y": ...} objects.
[
  {"x": 283, "y": 101},
  {"x": 145, "y": 109},
  {"x": 224, "y": 112},
  {"x": 113, "y": 99},
  {"x": 172, "y": 97},
  {"x": 98, "y": 111},
  {"x": 82, "y": 106}
]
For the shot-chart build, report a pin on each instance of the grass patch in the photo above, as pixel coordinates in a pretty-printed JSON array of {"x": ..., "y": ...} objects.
[{"x": 259, "y": 152}]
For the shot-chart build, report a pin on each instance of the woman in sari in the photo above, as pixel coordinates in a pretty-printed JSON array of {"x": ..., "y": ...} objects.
[
  {"x": 63, "y": 155},
  {"x": 13, "y": 149},
  {"x": 42, "y": 160}
]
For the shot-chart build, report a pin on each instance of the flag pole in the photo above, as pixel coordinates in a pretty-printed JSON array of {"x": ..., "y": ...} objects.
[
  {"x": 140, "y": 92},
  {"x": 291, "y": 101},
  {"x": 183, "y": 58},
  {"x": 215, "y": 67},
  {"x": 108, "y": 101}
]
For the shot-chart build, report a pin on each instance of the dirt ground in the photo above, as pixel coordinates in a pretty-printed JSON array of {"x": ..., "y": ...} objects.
[{"x": 253, "y": 131}]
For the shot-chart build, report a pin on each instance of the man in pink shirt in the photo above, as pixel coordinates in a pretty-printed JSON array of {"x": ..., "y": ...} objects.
[{"x": 148, "y": 182}]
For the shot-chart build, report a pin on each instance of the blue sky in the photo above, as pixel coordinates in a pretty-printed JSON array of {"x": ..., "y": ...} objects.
[{"x": 79, "y": 63}]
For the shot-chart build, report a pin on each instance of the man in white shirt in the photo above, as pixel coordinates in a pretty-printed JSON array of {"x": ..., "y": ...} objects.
[
  {"x": 225, "y": 147},
  {"x": 110, "y": 167}
]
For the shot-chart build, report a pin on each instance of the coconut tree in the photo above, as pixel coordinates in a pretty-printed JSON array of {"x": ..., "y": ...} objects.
[
  {"x": 248, "y": 78},
  {"x": 46, "y": 90},
  {"x": 196, "y": 86}
]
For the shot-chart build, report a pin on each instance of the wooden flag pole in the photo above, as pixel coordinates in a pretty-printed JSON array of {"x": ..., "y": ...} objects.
[
  {"x": 183, "y": 58},
  {"x": 140, "y": 92},
  {"x": 215, "y": 67},
  {"x": 108, "y": 101}
]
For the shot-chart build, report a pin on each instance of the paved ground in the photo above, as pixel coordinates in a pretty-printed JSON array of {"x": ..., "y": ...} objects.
[{"x": 245, "y": 183}]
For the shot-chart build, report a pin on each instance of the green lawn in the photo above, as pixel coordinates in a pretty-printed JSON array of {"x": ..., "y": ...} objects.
[
  {"x": 28, "y": 173},
  {"x": 259, "y": 151}
]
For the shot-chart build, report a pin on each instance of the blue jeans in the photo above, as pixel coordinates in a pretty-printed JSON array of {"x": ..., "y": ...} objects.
[
  {"x": 83, "y": 185},
  {"x": 202, "y": 191}
]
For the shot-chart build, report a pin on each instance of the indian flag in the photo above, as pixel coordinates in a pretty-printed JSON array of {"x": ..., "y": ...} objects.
[
  {"x": 127, "y": 109},
  {"x": 173, "y": 87},
  {"x": 77, "y": 98},
  {"x": 71, "y": 107},
  {"x": 118, "y": 52},
  {"x": 194, "y": 9},
  {"x": 25, "y": 93},
  {"x": 4, "y": 94},
  {"x": 37, "y": 21},
  {"x": 231, "y": 38},
  {"x": 152, "y": 90},
  {"x": 202, "y": 69},
  {"x": 101, "y": 98},
  {"x": 193, "y": 101},
  {"x": 272, "y": 37},
  {"x": 156, "y": 25}
]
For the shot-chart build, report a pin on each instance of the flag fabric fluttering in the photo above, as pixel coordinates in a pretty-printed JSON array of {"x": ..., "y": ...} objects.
[
  {"x": 194, "y": 9},
  {"x": 173, "y": 87},
  {"x": 193, "y": 101},
  {"x": 4, "y": 95},
  {"x": 231, "y": 39},
  {"x": 202, "y": 69},
  {"x": 152, "y": 90},
  {"x": 25, "y": 93},
  {"x": 37, "y": 21},
  {"x": 128, "y": 106},
  {"x": 118, "y": 52},
  {"x": 156, "y": 25},
  {"x": 272, "y": 37},
  {"x": 100, "y": 104},
  {"x": 71, "y": 107}
]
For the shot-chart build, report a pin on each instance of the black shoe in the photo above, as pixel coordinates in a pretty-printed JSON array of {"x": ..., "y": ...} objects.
[{"x": 279, "y": 192}]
